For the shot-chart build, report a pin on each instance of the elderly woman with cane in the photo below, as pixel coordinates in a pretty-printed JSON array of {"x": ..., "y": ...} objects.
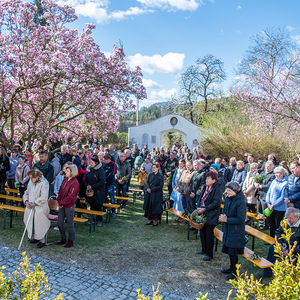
[{"x": 37, "y": 211}]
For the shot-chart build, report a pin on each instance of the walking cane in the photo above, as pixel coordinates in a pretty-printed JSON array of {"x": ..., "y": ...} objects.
[{"x": 25, "y": 228}]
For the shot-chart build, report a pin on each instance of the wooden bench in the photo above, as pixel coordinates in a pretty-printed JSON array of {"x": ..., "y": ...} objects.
[
  {"x": 108, "y": 207},
  {"x": 18, "y": 199},
  {"x": 134, "y": 193},
  {"x": 254, "y": 217},
  {"x": 12, "y": 190},
  {"x": 260, "y": 235},
  {"x": 92, "y": 214},
  {"x": 11, "y": 208},
  {"x": 261, "y": 263},
  {"x": 178, "y": 213}
]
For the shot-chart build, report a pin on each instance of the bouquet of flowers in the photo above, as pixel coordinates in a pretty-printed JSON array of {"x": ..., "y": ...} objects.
[
  {"x": 259, "y": 178},
  {"x": 184, "y": 189},
  {"x": 145, "y": 183}
]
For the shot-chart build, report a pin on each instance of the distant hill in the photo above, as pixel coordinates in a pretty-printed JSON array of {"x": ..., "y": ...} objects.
[
  {"x": 161, "y": 104},
  {"x": 146, "y": 115}
]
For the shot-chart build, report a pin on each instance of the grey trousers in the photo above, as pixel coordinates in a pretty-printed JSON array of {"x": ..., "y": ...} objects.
[{"x": 67, "y": 213}]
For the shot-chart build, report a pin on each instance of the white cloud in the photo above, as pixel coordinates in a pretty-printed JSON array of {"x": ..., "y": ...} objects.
[
  {"x": 238, "y": 31},
  {"x": 290, "y": 28},
  {"x": 239, "y": 7},
  {"x": 296, "y": 39},
  {"x": 163, "y": 94},
  {"x": 222, "y": 32},
  {"x": 150, "y": 84},
  {"x": 97, "y": 9},
  {"x": 172, "y": 4},
  {"x": 169, "y": 63}
]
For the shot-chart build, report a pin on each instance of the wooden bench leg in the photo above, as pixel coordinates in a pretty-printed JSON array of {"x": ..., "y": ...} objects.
[
  {"x": 5, "y": 211},
  {"x": 253, "y": 239},
  {"x": 167, "y": 217},
  {"x": 134, "y": 197},
  {"x": 188, "y": 229},
  {"x": 216, "y": 246},
  {"x": 106, "y": 215},
  {"x": 91, "y": 221},
  {"x": 11, "y": 217}
]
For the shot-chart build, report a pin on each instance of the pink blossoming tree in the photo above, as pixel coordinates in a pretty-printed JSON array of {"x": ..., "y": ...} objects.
[
  {"x": 56, "y": 83},
  {"x": 269, "y": 83}
]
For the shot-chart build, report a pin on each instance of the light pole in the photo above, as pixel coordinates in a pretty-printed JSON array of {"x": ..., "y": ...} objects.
[{"x": 137, "y": 112}]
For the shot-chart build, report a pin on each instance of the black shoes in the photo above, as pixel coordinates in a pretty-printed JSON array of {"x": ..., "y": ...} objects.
[
  {"x": 200, "y": 252},
  {"x": 40, "y": 244},
  {"x": 33, "y": 241},
  {"x": 149, "y": 223},
  {"x": 231, "y": 276},
  {"x": 226, "y": 271},
  {"x": 206, "y": 258}
]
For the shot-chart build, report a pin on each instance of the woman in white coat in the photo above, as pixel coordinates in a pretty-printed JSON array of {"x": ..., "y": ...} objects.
[
  {"x": 36, "y": 199},
  {"x": 249, "y": 188}
]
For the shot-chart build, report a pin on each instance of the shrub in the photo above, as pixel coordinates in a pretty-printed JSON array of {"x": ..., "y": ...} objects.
[
  {"x": 25, "y": 283},
  {"x": 284, "y": 286}
]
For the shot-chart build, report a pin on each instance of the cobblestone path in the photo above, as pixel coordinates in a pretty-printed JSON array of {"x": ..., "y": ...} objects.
[{"x": 79, "y": 283}]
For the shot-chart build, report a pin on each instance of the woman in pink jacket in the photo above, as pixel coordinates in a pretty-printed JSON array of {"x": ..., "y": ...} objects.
[{"x": 67, "y": 196}]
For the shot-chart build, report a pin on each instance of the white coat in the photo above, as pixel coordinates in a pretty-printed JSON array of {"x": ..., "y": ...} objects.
[
  {"x": 250, "y": 188},
  {"x": 38, "y": 194}
]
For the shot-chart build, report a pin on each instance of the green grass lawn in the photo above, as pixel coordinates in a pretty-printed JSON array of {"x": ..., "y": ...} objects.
[{"x": 129, "y": 248}]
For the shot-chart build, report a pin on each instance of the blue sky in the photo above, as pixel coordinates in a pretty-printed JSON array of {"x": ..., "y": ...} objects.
[{"x": 164, "y": 37}]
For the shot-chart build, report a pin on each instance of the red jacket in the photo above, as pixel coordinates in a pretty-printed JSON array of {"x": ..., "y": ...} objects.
[{"x": 68, "y": 191}]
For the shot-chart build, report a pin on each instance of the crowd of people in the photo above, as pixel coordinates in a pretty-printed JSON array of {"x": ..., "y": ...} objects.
[{"x": 194, "y": 182}]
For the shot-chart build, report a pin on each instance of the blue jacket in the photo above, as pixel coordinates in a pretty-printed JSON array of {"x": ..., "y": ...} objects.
[
  {"x": 234, "y": 228},
  {"x": 275, "y": 194},
  {"x": 292, "y": 191},
  {"x": 13, "y": 166},
  {"x": 110, "y": 171}
]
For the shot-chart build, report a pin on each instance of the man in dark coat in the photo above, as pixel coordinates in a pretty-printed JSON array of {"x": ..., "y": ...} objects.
[
  {"x": 130, "y": 160},
  {"x": 65, "y": 156},
  {"x": 170, "y": 167},
  {"x": 135, "y": 151},
  {"x": 262, "y": 191},
  {"x": 209, "y": 202},
  {"x": 198, "y": 180},
  {"x": 122, "y": 176},
  {"x": 250, "y": 159},
  {"x": 292, "y": 191},
  {"x": 110, "y": 169},
  {"x": 232, "y": 167},
  {"x": 95, "y": 180},
  {"x": 293, "y": 222},
  {"x": 223, "y": 172},
  {"x": 46, "y": 168}
]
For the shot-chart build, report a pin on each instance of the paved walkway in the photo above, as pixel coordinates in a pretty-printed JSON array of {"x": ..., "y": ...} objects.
[{"x": 79, "y": 283}]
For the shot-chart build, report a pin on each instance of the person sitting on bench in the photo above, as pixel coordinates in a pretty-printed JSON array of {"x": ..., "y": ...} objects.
[{"x": 293, "y": 222}]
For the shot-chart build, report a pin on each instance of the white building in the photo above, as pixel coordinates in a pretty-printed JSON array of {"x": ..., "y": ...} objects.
[{"x": 151, "y": 134}]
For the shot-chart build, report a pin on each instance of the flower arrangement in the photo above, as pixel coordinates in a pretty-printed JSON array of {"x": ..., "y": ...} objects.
[
  {"x": 259, "y": 178},
  {"x": 197, "y": 220},
  {"x": 184, "y": 189}
]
